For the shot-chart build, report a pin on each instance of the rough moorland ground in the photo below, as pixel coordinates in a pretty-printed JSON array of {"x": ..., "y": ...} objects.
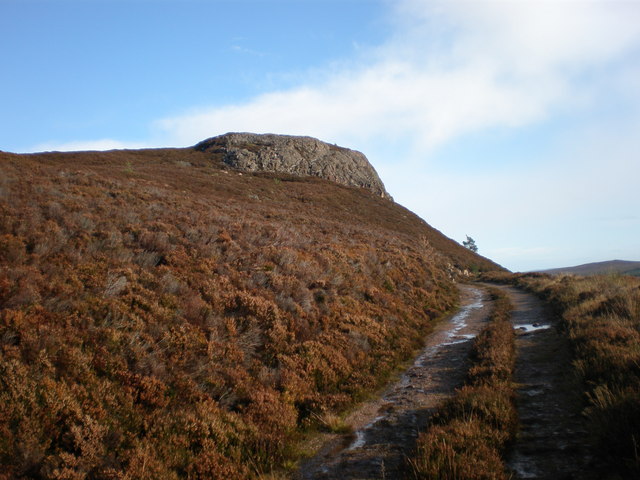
[{"x": 163, "y": 316}]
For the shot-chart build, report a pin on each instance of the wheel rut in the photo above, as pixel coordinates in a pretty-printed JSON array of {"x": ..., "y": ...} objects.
[
  {"x": 551, "y": 443},
  {"x": 386, "y": 429}
]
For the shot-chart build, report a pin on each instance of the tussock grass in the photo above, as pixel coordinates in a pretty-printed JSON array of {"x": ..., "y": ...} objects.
[
  {"x": 601, "y": 317},
  {"x": 470, "y": 431}
]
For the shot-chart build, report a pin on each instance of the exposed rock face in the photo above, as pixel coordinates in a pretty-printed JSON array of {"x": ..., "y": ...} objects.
[{"x": 303, "y": 156}]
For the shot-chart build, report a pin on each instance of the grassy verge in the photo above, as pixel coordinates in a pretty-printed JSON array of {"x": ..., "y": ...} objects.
[
  {"x": 470, "y": 431},
  {"x": 601, "y": 317}
]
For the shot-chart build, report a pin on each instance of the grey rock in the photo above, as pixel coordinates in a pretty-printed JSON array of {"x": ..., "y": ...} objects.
[{"x": 302, "y": 156}]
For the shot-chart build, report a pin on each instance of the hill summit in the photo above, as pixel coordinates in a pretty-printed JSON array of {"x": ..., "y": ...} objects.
[{"x": 303, "y": 156}]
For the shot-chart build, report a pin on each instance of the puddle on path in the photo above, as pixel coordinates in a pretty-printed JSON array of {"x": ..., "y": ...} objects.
[
  {"x": 386, "y": 429},
  {"x": 459, "y": 323},
  {"x": 360, "y": 438},
  {"x": 530, "y": 327}
]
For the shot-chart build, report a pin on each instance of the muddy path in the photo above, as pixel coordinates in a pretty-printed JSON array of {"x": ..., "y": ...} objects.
[
  {"x": 386, "y": 429},
  {"x": 551, "y": 442}
]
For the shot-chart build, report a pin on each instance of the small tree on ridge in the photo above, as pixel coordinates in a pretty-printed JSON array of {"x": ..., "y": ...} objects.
[{"x": 470, "y": 243}]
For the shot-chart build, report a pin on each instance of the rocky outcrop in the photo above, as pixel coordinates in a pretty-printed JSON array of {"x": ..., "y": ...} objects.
[{"x": 303, "y": 156}]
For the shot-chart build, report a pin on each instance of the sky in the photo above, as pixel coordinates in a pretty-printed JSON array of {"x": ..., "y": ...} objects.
[{"x": 514, "y": 122}]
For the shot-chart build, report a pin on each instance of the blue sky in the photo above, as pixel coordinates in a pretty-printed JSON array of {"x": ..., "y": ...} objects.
[{"x": 515, "y": 122}]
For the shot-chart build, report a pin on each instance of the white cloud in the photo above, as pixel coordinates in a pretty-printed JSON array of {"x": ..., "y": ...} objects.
[
  {"x": 452, "y": 68},
  {"x": 532, "y": 37},
  {"x": 390, "y": 99}
]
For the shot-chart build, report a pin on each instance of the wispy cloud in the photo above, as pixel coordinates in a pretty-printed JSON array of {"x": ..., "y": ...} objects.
[
  {"x": 247, "y": 51},
  {"x": 87, "y": 145}
]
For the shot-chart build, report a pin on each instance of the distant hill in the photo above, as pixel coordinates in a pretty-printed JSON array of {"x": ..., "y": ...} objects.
[
  {"x": 183, "y": 313},
  {"x": 612, "y": 266}
]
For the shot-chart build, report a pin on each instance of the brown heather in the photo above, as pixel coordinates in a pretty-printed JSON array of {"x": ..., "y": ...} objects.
[
  {"x": 162, "y": 317},
  {"x": 470, "y": 432},
  {"x": 601, "y": 317}
]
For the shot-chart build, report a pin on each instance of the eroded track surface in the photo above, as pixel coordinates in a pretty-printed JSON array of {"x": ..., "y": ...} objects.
[
  {"x": 386, "y": 429},
  {"x": 551, "y": 443}
]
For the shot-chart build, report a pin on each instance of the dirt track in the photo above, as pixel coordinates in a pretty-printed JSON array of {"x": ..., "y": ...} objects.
[
  {"x": 551, "y": 443},
  {"x": 386, "y": 429}
]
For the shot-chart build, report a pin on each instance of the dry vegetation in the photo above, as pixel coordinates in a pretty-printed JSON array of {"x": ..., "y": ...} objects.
[
  {"x": 161, "y": 317},
  {"x": 470, "y": 432},
  {"x": 601, "y": 317}
]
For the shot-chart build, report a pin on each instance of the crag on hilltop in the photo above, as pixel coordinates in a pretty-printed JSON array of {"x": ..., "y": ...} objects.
[{"x": 302, "y": 156}]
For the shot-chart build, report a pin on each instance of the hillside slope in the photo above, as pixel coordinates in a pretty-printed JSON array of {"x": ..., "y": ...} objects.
[{"x": 165, "y": 316}]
